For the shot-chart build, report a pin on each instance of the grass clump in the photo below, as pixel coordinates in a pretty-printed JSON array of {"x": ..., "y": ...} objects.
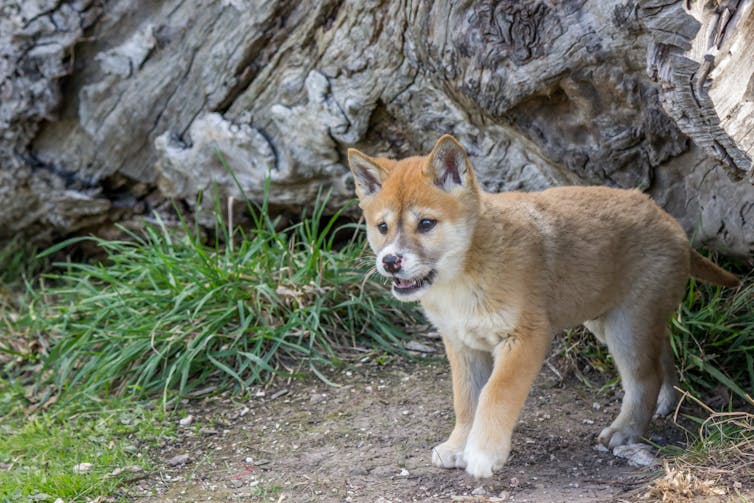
[
  {"x": 78, "y": 457},
  {"x": 17, "y": 262},
  {"x": 713, "y": 342},
  {"x": 164, "y": 312}
]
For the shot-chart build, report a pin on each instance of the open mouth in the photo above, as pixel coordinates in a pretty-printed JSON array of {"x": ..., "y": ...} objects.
[{"x": 406, "y": 286}]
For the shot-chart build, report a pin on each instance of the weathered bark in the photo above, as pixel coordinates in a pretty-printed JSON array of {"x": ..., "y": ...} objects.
[{"x": 108, "y": 109}]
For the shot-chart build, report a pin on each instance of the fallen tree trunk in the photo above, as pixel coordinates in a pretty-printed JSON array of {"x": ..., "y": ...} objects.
[{"x": 111, "y": 109}]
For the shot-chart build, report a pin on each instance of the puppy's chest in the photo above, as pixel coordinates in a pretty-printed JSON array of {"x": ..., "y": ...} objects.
[{"x": 462, "y": 315}]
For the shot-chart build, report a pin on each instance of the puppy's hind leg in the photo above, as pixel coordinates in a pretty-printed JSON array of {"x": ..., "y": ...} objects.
[
  {"x": 635, "y": 341},
  {"x": 668, "y": 398}
]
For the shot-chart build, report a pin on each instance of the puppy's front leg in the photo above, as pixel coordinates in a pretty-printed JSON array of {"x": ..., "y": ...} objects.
[
  {"x": 470, "y": 370},
  {"x": 518, "y": 359}
]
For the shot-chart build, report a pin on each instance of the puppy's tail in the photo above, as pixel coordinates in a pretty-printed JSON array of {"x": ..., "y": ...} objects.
[{"x": 708, "y": 272}]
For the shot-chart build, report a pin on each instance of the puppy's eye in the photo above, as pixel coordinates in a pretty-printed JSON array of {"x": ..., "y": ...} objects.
[
  {"x": 382, "y": 227},
  {"x": 426, "y": 225}
]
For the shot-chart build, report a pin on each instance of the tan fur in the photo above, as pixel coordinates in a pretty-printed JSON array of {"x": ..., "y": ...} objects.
[
  {"x": 709, "y": 272},
  {"x": 503, "y": 272}
]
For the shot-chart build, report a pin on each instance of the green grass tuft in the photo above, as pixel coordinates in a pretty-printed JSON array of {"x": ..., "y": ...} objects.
[
  {"x": 18, "y": 264},
  {"x": 166, "y": 313},
  {"x": 713, "y": 342}
]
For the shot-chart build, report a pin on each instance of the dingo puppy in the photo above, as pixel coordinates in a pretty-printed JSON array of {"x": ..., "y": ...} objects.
[{"x": 498, "y": 274}]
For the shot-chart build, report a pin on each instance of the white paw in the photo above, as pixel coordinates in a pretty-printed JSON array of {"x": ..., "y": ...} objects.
[
  {"x": 448, "y": 456},
  {"x": 612, "y": 437},
  {"x": 483, "y": 463}
]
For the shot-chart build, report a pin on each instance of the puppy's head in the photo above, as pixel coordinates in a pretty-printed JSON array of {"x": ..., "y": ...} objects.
[{"x": 420, "y": 214}]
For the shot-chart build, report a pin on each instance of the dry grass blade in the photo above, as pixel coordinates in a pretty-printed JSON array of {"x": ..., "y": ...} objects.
[
  {"x": 720, "y": 462},
  {"x": 680, "y": 486}
]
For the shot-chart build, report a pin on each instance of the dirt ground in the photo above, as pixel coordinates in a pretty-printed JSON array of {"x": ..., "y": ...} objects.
[{"x": 370, "y": 438}]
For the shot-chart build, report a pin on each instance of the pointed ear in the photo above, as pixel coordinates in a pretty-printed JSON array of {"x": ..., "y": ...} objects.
[
  {"x": 367, "y": 175},
  {"x": 448, "y": 164}
]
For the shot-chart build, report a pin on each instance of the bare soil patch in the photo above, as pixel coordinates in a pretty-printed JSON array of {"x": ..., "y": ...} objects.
[{"x": 370, "y": 439}]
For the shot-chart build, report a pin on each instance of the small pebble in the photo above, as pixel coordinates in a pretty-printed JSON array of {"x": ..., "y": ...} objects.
[
  {"x": 419, "y": 347},
  {"x": 82, "y": 468},
  {"x": 180, "y": 459},
  {"x": 479, "y": 491},
  {"x": 124, "y": 469},
  {"x": 317, "y": 397},
  {"x": 637, "y": 454},
  {"x": 186, "y": 421}
]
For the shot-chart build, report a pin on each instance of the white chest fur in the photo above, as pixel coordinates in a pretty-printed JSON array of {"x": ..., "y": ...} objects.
[{"x": 461, "y": 314}]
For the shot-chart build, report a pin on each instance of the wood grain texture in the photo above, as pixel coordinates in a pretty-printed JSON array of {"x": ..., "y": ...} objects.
[{"x": 108, "y": 110}]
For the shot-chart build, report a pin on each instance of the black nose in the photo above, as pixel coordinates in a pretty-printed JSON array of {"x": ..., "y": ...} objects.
[{"x": 392, "y": 263}]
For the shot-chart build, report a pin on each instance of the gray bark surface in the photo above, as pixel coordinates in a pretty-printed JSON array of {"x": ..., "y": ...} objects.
[{"x": 110, "y": 109}]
